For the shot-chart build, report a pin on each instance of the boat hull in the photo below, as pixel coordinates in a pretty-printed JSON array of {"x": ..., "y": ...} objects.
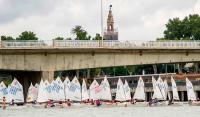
[
  {"x": 195, "y": 104},
  {"x": 140, "y": 104},
  {"x": 15, "y": 107},
  {"x": 158, "y": 104}
]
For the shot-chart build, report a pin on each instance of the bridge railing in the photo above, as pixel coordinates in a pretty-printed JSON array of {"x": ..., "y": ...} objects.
[
  {"x": 26, "y": 44},
  {"x": 99, "y": 44}
]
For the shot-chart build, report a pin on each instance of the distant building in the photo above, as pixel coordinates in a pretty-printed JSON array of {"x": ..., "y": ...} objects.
[{"x": 110, "y": 33}]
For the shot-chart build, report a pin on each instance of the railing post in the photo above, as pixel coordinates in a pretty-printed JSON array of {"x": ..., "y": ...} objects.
[{"x": 53, "y": 43}]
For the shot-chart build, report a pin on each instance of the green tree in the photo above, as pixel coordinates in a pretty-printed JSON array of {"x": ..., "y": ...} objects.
[
  {"x": 186, "y": 29},
  {"x": 59, "y": 38},
  {"x": 97, "y": 37},
  {"x": 27, "y": 35},
  {"x": 5, "y": 38},
  {"x": 80, "y": 33},
  {"x": 68, "y": 38},
  {"x": 174, "y": 29}
]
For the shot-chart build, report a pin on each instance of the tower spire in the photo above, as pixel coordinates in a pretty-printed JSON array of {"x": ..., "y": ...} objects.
[
  {"x": 110, "y": 33},
  {"x": 110, "y": 21},
  {"x": 110, "y": 7}
]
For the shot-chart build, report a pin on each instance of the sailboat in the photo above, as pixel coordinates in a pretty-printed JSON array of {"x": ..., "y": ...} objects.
[
  {"x": 127, "y": 91},
  {"x": 139, "y": 95},
  {"x": 42, "y": 92},
  {"x": 105, "y": 90},
  {"x": 95, "y": 90},
  {"x": 191, "y": 94},
  {"x": 162, "y": 88},
  {"x": 158, "y": 93},
  {"x": 35, "y": 91},
  {"x": 174, "y": 90},
  {"x": 15, "y": 92},
  {"x": 67, "y": 85},
  {"x": 75, "y": 90},
  {"x": 84, "y": 91},
  {"x": 58, "y": 90},
  {"x": 43, "y": 96},
  {"x": 3, "y": 91},
  {"x": 120, "y": 94},
  {"x": 166, "y": 88},
  {"x": 30, "y": 94},
  {"x": 139, "y": 92},
  {"x": 175, "y": 96}
]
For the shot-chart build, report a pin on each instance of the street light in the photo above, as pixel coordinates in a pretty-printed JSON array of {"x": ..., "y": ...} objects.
[{"x": 102, "y": 21}]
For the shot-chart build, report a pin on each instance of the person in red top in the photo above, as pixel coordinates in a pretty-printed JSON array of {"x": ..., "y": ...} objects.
[{"x": 98, "y": 103}]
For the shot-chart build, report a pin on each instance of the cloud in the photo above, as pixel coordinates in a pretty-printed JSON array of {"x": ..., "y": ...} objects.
[{"x": 135, "y": 19}]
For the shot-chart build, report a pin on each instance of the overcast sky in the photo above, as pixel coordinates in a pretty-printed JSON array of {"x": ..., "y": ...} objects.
[{"x": 134, "y": 19}]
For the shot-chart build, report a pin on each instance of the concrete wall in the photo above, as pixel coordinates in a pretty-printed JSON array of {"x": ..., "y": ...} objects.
[{"x": 70, "y": 59}]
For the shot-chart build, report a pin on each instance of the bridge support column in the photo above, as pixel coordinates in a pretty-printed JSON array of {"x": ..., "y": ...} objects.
[
  {"x": 196, "y": 65},
  {"x": 196, "y": 93},
  {"x": 182, "y": 95},
  {"x": 77, "y": 73},
  {"x": 151, "y": 95},
  {"x": 155, "y": 69},
  {"x": 146, "y": 96},
  {"x": 48, "y": 75},
  {"x": 88, "y": 73}
]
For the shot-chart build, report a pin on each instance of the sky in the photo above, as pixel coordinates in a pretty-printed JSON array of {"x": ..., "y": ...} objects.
[{"x": 135, "y": 20}]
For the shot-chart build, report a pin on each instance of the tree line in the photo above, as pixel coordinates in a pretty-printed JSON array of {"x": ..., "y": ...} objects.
[
  {"x": 182, "y": 29},
  {"x": 78, "y": 31}
]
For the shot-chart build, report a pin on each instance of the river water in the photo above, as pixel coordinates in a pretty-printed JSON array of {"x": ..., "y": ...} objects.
[{"x": 181, "y": 111}]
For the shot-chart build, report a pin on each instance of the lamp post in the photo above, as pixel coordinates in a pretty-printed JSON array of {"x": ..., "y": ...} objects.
[{"x": 102, "y": 21}]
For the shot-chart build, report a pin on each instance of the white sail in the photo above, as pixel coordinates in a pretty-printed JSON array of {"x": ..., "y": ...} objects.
[
  {"x": 15, "y": 92},
  {"x": 167, "y": 94},
  {"x": 95, "y": 90},
  {"x": 85, "y": 95},
  {"x": 139, "y": 93},
  {"x": 3, "y": 91},
  {"x": 120, "y": 95},
  {"x": 174, "y": 89},
  {"x": 127, "y": 91},
  {"x": 67, "y": 85},
  {"x": 42, "y": 92},
  {"x": 49, "y": 89},
  {"x": 157, "y": 91},
  {"x": 190, "y": 90},
  {"x": 58, "y": 90},
  {"x": 35, "y": 92},
  {"x": 161, "y": 86},
  {"x": 105, "y": 90},
  {"x": 30, "y": 95},
  {"x": 75, "y": 90}
]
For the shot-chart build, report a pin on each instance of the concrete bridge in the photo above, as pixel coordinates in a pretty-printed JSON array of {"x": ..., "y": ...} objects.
[{"x": 49, "y": 56}]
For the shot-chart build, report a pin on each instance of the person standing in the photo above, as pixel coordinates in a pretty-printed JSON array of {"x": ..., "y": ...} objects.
[{"x": 4, "y": 103}]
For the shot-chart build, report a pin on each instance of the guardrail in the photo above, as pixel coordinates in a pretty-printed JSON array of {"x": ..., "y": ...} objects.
[{"x": 100, "y": 44}]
